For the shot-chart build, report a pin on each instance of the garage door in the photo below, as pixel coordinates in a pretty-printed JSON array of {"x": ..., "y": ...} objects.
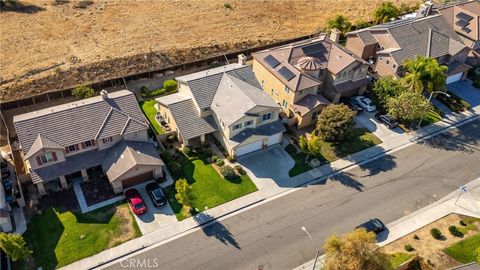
[
  {"x": 137, "y": 179},
  {"x": 274, "y": 139},
  {"x": 454, "y": 78},
  {"x": 242, "y": 150}
]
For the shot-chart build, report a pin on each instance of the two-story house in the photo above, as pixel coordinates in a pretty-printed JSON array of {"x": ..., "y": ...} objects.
[
  {"x": 388, "y": 45},
  {"x": 306, "y": 76},
  {"x": 226, "y": 102},
  {"x": 107, "y": 132}
]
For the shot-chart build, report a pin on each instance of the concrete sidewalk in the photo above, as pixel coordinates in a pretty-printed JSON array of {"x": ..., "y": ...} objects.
[
  {"x": 465, "y": 203},
  {"x": 269, "y": 191}
]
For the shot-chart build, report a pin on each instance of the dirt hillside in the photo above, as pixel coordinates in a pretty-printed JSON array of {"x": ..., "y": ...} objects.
[{"x": 48, "y": 45}]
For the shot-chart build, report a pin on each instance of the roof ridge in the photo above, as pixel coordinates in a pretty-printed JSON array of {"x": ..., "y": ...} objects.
[
  {"x": 125, "y": 126},
  {"x": 103, "y": 123}
]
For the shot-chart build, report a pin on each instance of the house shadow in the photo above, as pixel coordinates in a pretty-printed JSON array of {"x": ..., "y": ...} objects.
[
  {"x": 214, "y": 228},
  {"x": 100, "y": 216},
  {"x": 458, "y": 140},
  {"x": 20, "y": 8}
]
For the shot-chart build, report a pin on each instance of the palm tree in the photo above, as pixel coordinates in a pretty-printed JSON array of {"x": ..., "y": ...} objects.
[
  {"x": 385, "y": 12},
  {"x": 340, "y": 22},
  {"x": 425, "y": 74}
]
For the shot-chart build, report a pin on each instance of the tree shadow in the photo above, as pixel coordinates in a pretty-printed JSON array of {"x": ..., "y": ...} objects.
[
  {"x": 216, "y": 229},
  {"x": 20, "y": 8},
  {"x": 458, "y": 140},
  {"x": 347, "y": 180},
  {"x": 381, "y": 164}
]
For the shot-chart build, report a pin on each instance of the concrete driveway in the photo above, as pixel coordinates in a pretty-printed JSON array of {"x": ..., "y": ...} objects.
[
  {"x": 154, "y": 218},
  {"x": 466, "y": 91},
  {"x": 368, "y": 121},
  {"x": 265, "y": 166}
]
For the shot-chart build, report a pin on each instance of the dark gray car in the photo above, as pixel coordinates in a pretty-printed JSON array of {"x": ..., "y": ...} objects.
[{"x": 156, "y": 195}]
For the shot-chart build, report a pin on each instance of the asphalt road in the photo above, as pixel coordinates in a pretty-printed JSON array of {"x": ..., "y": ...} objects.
[{"x": 269, "y": 236}]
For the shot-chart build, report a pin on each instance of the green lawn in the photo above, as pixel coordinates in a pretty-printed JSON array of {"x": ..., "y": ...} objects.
[
  {"x": 399, "y": 258},
  {"x": 56, "y": 237},
  {"x": 431, "y": 117},
  {"x": 463, "y": 250},
  {"x": 361, "y": 139},
  {"x": 209, "y": 188},
  {"x": 150, "y": 112}
]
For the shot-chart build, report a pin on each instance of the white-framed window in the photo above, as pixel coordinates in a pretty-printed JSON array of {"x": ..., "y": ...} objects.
[
  {"x": 394, "y": 66},
  {"x": 88, "y": 143},
  {"x": 72, "y": 148},
  {"x": 107, "y": 139},
  {"x": 47, "y": 158},
  {"x": 248, "y": 123},
  {"x": 287, "y": 90},
  {"x": 285, "y": 104},
  {"x": 266, "y": 116},
  {"x": 237, "y": 126},
  {"x": 387, "y": 62}
]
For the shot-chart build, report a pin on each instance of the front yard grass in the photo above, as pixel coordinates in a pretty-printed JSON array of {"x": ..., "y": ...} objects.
[
  {"x": 463, "y": 250},
  {"x": 58, "y": 237},
  {"x": 361, "y": 139},
  {"x": 148, "y": 108},
  {"x": 399, "y": 258},
  {"x": 208, "y": 187}
]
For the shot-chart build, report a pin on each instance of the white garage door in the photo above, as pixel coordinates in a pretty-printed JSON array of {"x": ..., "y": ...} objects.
[
  {"x": 274, "y": 139},
  {"x": 242, "y": 150},
  {"x": 454, "y": 78}
]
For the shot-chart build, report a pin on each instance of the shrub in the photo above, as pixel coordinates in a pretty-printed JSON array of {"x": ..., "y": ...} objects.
[
  {"x": 220, "y": 162},
  {"x": 416, "y": 237},
  {"x": 214, "y": 158},
  {"x": 187, "y": 150},
  {"x": 151, "y": 93},
  {"x": 82, "y": 92},
  {"x": 240, "y": 170},
  {"x": 166, "y": 157},
  {"x": 175, "y": 167},
  {"x": 463, "y": 223},
  {"x": 170, "y": 86},
  {"x": 143, "y": 89},
  {"x": 228, "y": 6},
  {"x": 454, "y": 103},
  {"x": 230, "y": 158},
  {"x": 436, "y": 233},
  {"x": 408, "y": 248},
  {"x": 454, "y": 231},
  {"x": 227, "y": 172}
]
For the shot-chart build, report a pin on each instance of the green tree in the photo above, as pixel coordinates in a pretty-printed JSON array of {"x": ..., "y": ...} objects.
[
  {"x": 384, "y": 89},
  {"x": 476, "y": 252},
  {"x": 335, "y": 122},
  {"x": 385, "y": 12},
  {"x": 425, "y": 74},
  {"x": 14, "y": 246},
  {"x": 170, "y": 86},
  {"x": 82, "y": 92},
  {"x": 184, "y": 193},
  {"x": 354, "y": 251},
  {"x": 310, "y": 147},
  {"x": 408, "y": 106},
  {"x": 340, "y": 22}
]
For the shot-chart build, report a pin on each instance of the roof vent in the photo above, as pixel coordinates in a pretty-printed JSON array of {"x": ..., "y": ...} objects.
[
  {"x": 122, "y": 156},
  {"x": 104, "y": 94}
]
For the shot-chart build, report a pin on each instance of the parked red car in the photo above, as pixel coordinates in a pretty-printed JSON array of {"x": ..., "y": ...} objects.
[{"x": 135, "y": 201}]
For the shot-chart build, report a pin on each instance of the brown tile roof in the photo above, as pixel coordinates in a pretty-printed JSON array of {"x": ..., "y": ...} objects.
[{"x": 308, "y": 103}]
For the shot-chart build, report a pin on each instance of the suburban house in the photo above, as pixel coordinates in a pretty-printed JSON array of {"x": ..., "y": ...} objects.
[
  {"x": 464, "y": 18},
  {"x": 387, "y": 46},
  {"x": 306, "y": 76},
  {"x": 226, "y": 102},
  {"x": 106, "y": 132}
]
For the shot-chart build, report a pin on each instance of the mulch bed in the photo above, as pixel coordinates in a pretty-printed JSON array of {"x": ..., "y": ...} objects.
[
  {"x": 65, "y": 200},
  {"x": 96, "y": 191}
]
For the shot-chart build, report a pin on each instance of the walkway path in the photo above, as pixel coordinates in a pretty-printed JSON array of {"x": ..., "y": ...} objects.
[
  {"x": 276, "y": 189},
  {"x": 465, "y": 203}
]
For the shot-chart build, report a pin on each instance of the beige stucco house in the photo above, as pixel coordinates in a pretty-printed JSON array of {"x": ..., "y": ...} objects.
[
  {"x": 108, "y": 132},
  {"x": 226, "y": 102},
  {"x": 306, "y": 76}
]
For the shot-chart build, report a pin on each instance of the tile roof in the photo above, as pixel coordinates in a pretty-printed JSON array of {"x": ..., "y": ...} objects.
[
  {"x": 81, "y": 120},
  {"x": 188, "y": 120},
  {"x": 125, "y": 155},
  {"x": 42, "y": 142},
  {"x": 308, "y": 103},
  {"x": 265, "y": 130},
  {"x": 328, "y": 55},
  {"x": 235, "y": 98}
]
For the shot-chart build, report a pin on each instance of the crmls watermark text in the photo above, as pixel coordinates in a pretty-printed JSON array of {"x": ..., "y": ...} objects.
[{"x": 139, "y": 263}]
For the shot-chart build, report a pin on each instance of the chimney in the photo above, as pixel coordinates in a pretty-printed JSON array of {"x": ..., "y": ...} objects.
[
  {"x": 335, "y": 34},
  {"x": 104, "y": 94},
  {"x": 242, "y": 59}
]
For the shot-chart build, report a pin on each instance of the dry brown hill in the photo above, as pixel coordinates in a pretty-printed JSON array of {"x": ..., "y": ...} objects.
[{"x": 47, "y": 46}]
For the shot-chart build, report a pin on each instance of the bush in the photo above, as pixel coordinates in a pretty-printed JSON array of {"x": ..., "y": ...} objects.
[
  {"x": 463, "y": 223},
  {"x": 454, "y": 103},
  {"x": 454, "y": 231},
  {"x": 436, "y": 233},
  {"x": 220, "y": 162},
  {"x": 408, "y": 248},
  {"x": 214, "y": 158},
  {"x": 187, "y": 150},
  {"x": 228, "y": 6},
  {"x": 230, "y": 158},
  {"x": 227, "y": 172},
  {"x": 82, "y": 92},
  {"x": 416, "y": 237},
  {"x": 151, "y": 93},
  {"x": 240, "y": 170},
  {"x": 175, "y": 167},
  {"x": 170, "y": 86}
]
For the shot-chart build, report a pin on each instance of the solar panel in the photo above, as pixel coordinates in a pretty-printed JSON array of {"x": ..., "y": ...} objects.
[
  {"x": 271, "y": 61},
  {"x": 286, "y": 73},
  {"x": 465, "y": 17},
  {"x": 466, "y": 30},
  {"x": 462, "y": 23}
]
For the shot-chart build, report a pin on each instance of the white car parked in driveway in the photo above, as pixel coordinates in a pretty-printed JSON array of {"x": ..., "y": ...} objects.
[{"x": 365, "y": 103}]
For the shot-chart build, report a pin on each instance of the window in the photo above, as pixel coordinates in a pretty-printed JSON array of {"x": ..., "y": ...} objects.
[
  {"x": 272, "y": 91},
  {"x": 287, "y": 90},
  {"x": 285, "y": 103},
  {"x": 47, "y": 158},
  {"x": 88, "y": 144},
  {"x": 107, "y": 139},
  {"x": 267, "y": 116},
  {"x": 387, "y": 62},
  {"x": 72, "y": 148},
  {"x": 394, "y": 66},
  {"x": 237, "y": 126},
  {"x": 248, "y": 123},
  {"x": 262, "y": 83},
  {"x": 314, "y": 115}
]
